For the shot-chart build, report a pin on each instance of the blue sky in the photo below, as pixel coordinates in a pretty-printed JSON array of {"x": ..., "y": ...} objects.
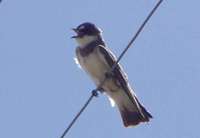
[{"x": 41, "y": 88}]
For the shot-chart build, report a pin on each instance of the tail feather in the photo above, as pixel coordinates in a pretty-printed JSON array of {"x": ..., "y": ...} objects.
[
  {"x": 145, "y": 113},
  {"x": 131, "y": 110},
  {"x": 132, "y": 118}
]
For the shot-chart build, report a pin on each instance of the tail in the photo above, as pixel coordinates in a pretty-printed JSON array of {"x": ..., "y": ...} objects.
[
  {"x": 132, "y": 118},
  {"x": 132, "y": 112}
]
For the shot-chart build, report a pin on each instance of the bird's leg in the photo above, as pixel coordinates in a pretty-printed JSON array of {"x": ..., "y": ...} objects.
[
  {"x": 108, "y": 75},
  {"x": 95, "y": 93},
  {"x": 101, "y": 90}
]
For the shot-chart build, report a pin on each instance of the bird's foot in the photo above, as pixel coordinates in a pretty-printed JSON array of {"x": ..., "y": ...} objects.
[
  {"x": 95, "y": 92},
  {"x": 101, "y": 90}
]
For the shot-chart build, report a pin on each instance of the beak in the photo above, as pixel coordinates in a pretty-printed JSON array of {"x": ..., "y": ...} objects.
[{"x": 76, "y": 31}]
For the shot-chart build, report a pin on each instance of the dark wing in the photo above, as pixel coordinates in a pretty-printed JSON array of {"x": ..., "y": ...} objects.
[
  {"x": 120, "y": 76},
  {"x": 118, "y": 72}
]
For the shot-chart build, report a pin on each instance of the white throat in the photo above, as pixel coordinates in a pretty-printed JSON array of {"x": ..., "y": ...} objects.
[{"x": 85, "y": 40}]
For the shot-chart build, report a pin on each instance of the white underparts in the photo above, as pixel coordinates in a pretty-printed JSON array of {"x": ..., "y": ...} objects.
[
  {"x": 77, "y": 62},
  {"x": 85, "y": 40}
]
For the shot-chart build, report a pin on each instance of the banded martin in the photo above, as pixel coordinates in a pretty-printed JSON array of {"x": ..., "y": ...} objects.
[{"x": 97, "y": 59}]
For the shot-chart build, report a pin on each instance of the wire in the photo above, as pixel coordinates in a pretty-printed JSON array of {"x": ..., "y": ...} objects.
[
  {"x": 94, "y": 92},
  {"x": 137, "y": 33}
]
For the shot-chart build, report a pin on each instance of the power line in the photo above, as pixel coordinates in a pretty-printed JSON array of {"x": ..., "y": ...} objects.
[{"x": 94, "y": 92}]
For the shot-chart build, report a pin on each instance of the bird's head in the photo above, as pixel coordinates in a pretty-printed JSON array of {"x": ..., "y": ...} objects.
[{"x": 86, "y": 33}]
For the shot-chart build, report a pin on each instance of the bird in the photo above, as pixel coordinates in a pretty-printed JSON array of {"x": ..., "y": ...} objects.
[{"x": 96, "y": 59}]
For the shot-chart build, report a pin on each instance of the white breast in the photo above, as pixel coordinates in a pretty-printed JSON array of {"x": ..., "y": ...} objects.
[{"x": 94, "y": 65}]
